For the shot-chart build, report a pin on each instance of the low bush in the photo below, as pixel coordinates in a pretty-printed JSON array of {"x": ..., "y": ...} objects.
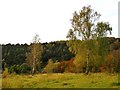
[
  {"x": 25, "y": 68},
  {"x": 49, "y": 67},
  {"x": 15, "y": 69},
  {"x": 5, "y": 73}
]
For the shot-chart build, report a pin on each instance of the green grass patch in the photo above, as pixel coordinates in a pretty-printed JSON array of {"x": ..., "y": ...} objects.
[{"x": 65, "y": 80}]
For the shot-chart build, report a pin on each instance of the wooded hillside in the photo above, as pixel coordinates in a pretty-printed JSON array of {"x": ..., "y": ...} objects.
[{"x": 59, "y": 52}]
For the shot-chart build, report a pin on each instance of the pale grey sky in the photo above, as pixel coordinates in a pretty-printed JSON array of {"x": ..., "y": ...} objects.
[{"x": 20, "y": 20}]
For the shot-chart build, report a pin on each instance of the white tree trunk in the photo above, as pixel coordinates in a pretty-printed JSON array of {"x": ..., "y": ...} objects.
[{"x": 88, "y": 53}]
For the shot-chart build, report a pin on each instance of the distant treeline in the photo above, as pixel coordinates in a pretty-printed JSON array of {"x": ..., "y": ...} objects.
[
  {"x": 15, "y": 54},
  {"x": 58, "y": 54}
]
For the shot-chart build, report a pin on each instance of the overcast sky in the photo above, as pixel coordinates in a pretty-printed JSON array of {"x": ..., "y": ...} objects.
[{"x": 20, "y": 20}]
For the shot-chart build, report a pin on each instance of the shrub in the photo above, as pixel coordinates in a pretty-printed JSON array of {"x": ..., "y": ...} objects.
[
  {"x": 11, "y": 69},
  {"x": 79, "y": 62},
  {"x": 5, "y": 73},
  {"x": 62, "y": 66},
  {"x": 25, "y": 68},
  {"x": 70, "y": 66},
  {"x": 18, "y": 69},
  {"x": 113, "y": 61},
  {"x": 49, "y": 67},
  {"x": 15, "y": 69},
  {"x": 55, "y": 69}
]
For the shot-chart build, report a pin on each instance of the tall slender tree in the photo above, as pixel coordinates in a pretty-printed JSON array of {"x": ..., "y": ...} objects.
[
  {"x": 34, "y": 53},
  {"x": 85, "y": 26}
]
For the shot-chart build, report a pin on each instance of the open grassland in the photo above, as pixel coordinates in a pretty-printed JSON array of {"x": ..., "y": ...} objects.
[{"x": 65, "y": 80}]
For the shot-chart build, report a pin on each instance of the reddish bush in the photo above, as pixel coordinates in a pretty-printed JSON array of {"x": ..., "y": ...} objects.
[
  {"x": 113, "y": 61},
  {"x": 61, "y": 67},
  {"x": 66, "y": 66},
  {"x": 70, "y": 66},
  {"x": 102, "y": 68}
]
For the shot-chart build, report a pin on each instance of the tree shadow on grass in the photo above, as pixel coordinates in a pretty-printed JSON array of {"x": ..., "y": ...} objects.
[{"x": 115, "y": 84}]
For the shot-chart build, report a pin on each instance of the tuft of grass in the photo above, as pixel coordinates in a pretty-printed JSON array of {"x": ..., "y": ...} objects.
[{"x": 65, "y": 83}]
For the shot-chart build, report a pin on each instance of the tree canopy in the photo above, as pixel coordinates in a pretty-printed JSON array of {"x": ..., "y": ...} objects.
[{"x": 85, "y": 26}]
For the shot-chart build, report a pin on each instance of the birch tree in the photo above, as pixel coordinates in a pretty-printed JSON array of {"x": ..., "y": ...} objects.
[
  {"x": 85, "y": 26},
  {"x": 34, "y": 54}
]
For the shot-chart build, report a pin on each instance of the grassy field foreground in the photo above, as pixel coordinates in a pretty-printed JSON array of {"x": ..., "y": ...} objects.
[{"x": 58, "y": 80}]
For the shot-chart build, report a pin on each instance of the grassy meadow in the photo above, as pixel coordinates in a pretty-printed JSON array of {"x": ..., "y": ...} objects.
[{"x": 62, "y": 80}]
